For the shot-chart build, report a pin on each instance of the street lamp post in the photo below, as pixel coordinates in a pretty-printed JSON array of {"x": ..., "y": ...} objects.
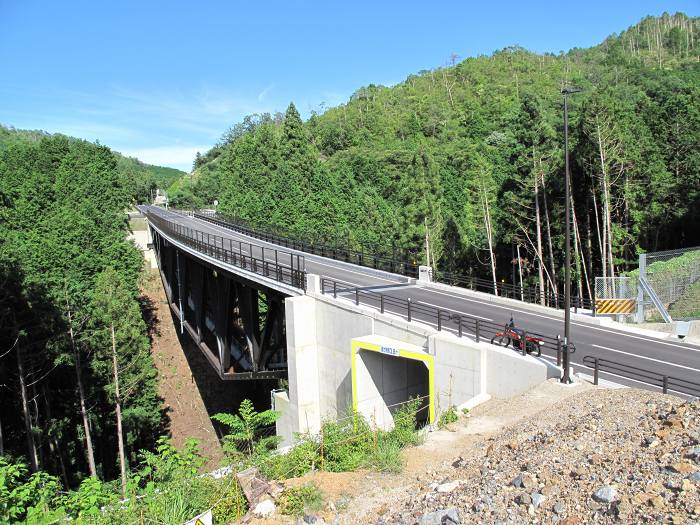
[{"x": 567, "y": 261}]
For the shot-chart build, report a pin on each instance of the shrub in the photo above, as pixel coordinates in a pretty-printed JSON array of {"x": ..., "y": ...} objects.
[
  {"x": 21, "y": 494},
  {"x": 298, "y": 461},
  {"x": 346, "y": 443},
  {"x": 167, "y": 464},
  {"x": 304, "y": 499},
  {"x": 448, "y": 416},
  {"x": 405, "y": 420},
  {"x": 247, "y": 435}
]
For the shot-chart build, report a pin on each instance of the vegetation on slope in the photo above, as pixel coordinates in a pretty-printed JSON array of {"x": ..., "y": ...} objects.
[
  {"x": 465, "y": 162},
  {"x": 71, "y": 318},
  {"x": 142, "y": 178}
]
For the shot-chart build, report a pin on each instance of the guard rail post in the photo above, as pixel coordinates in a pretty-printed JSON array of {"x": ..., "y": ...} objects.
[
  {"x": 335, "y": 289},
  {"x": 408, "y": 309},
  {"x": 665, "y": 387},
  {"x": 439, "y": 320},
  {"x": 595, "y": 371},
  {"x": 558, "y": 350},
  {"x": 459, "y": 326},
  {"x": 381, "y": 303},
  {"x": 476, "y": 331},
  {"x": 523, "y": 343},
  {"x": 357, "y": 296}
]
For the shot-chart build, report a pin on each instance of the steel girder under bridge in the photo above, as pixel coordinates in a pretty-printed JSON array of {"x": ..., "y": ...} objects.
[{"x": 238, "y": 324}]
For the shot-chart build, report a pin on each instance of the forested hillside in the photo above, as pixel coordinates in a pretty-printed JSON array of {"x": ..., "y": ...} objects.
[
  {"x": 142, "y": 178},
  {"x": 74, "y": 346},
  {"x": 467, "y": 160}
]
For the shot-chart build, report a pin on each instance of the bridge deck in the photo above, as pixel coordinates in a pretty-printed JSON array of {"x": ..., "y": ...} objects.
[{"x": 674, "y": 358}]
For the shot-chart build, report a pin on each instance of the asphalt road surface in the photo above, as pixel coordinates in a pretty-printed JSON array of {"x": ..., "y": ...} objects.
[{"x": 676, "y": 359}]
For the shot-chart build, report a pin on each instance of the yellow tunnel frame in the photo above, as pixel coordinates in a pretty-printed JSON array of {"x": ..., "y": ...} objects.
[{"x": 427, "y": 359}]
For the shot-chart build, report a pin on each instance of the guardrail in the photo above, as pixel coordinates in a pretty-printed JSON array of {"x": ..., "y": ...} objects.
[
  {"x": 513, "y": 291},
  {"x": 462, "y": 325},
  {"x": 271, "y": 263},
  {"x": 662, "y": 381},
  {"x": 394, "y": 264}
]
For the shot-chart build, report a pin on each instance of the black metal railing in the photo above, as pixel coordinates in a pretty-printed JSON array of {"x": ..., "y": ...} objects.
[
  {"x": 279, "y": 265},
  {"x": 528, "y": 294},
  {"x": 662, "y": 381},
  {"x": 400, "y": 261},
  {"x": 460, "y": 324}
]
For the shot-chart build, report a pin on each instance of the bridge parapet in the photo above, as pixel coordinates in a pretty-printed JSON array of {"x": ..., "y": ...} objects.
[{"x": 281, "y": 266}]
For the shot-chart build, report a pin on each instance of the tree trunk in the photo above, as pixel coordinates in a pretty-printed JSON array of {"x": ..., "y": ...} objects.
[
  {"x": 54, "y": 446},
  {"x": 31, "y": 445},
  {"x": 489, "y": 235},
  {"x": 427, "y": 242},
  {"x": 602, "y": 242},
  {"x": 605, "y": 185},
  {"x": 90, "y": 454},
  {"x": 588, "y": 260},
  {"x": 540, "y": 270},
  {"x": 577, "y": 252},
  {"x": 549, "y": 241},
  {"x": 520, "y": 271},
  {"x": 118, "y": 410}
]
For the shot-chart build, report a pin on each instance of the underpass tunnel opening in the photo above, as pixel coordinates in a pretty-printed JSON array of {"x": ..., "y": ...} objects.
[{"x": 386, "y": 375}]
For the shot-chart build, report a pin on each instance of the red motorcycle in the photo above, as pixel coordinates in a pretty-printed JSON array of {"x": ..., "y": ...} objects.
[{"x": 511, "y": 335}]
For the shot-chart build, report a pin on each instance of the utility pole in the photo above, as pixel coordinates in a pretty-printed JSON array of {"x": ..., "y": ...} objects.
[{"x": 567, "y": 259}]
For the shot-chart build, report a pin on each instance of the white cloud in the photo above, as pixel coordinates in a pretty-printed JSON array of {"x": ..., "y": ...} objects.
[
  {"x": 264, "y": 92},
  {"x": 180, "y": 157}
]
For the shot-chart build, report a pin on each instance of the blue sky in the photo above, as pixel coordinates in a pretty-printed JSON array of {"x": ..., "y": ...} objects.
[{"x": 160, "y": 80}]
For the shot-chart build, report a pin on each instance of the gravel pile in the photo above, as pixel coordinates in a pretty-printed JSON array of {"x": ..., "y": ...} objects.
[{"x": 605, "y": 456}]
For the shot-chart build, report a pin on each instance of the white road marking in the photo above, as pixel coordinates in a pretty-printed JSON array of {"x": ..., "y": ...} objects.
[
  {"x": 647, "y": 358},
  {"x": 685, "y": 347},
  {"x": 452, "y": 311},
  {"x": 462, "y": 298}
]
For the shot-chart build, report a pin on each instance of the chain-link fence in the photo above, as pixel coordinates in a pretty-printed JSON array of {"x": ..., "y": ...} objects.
[
  {"x": 615, "y": 288},
  {"x": 674, "y": 277}
]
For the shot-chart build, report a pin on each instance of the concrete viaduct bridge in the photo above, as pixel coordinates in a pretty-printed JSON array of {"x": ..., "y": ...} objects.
[{"x": 371, "y": 335}]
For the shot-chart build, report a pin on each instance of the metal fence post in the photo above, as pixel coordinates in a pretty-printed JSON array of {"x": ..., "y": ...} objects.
[
  {"x": 381, "y": 303},
  {"x": 476, "y": 331},
  {"x": 357, "y": 296},
  {"x": 335, "y": 289},
  {"x": 665, "y": 388},
  {"x": 595, "y": 371},
  {"x": 459, "y": 326},
  {"x": 408, "y": 309},
  {"x": 558, "y": 350},
  {"x": 523, "y": 343},
  {"x": 439, "y": 322}
]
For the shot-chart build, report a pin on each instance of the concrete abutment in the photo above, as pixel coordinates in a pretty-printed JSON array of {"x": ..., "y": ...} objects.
[{"x": 343, "y": 356}]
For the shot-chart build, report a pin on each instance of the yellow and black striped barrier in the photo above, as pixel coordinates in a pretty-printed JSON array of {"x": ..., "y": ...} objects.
[{"x": 615, "y": 306}]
